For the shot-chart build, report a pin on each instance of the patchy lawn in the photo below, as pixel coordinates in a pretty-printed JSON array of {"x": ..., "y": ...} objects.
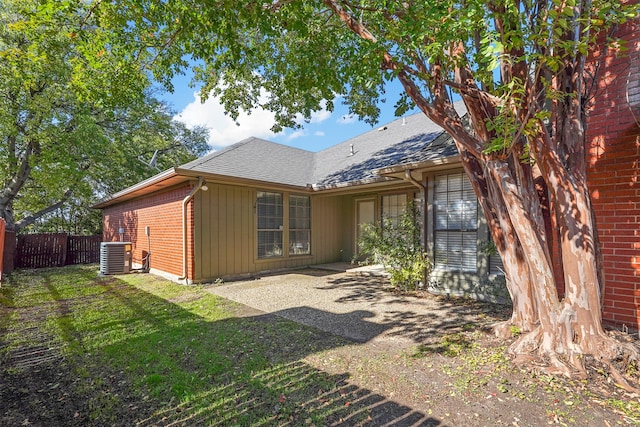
[{"x": 77, "y": 349}]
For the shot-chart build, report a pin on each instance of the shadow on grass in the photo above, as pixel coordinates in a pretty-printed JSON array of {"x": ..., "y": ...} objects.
[
  {"x": 308, "y": 396},
  {"x": 133, "y": 358}
]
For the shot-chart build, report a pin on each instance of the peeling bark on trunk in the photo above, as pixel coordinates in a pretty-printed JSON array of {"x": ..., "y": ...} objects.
[
  {"x": 517, "y": 273},
  {"x": 518, "y": 278},
  {"x": 530, "y": 223},
  {"x": 559, "y": 332}
]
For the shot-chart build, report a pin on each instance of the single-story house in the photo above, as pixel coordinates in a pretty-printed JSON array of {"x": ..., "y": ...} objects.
[{"x": 259, "y": 206}]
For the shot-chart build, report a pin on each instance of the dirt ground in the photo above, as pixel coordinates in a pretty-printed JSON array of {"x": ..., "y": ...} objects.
[
  {"x": 441, "y": 367},
  {"x": 436, "y": 357}
]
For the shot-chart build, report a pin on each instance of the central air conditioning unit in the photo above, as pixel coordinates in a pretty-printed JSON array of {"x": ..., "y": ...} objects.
[{"x": 115, "y": 257}]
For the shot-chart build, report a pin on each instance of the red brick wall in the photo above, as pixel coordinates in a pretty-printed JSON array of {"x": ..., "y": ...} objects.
[
  {"x": 162, "y": 213},
  {"x": 613, "y": 159}
]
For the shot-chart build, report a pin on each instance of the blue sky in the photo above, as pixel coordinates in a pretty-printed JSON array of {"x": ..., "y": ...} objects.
[{"x": 324, "y": 130}]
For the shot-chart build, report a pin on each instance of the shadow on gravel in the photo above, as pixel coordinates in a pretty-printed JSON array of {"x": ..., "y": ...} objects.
[
  {"x": 437, "y": 316},
  {"x": 164, "y": 365},
  {"x": 350, "y": 325}
]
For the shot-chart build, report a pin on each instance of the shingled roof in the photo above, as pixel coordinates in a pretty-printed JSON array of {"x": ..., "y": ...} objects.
[
  {"x": 357, "y": 159},
  {"x": 260, "y": 160},
  {"x": 405, "y": 140}
]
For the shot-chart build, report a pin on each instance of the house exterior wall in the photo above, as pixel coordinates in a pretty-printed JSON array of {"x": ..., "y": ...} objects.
[
  {"x": 613, "y": 161},
  {"x": 225, "y": 238},
  {"x": 162, "y": 213},
  {"x": 226, "y": 233},
  {"x": 348, "y": 211}
]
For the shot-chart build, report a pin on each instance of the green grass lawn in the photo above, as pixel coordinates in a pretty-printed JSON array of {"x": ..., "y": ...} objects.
[
  {"x": 142, "y": 349},
  {"x": 81, "y": 350}
]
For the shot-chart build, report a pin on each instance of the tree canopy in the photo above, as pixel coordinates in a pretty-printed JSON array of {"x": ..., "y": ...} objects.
[
  {"x": 76, "y": 115},
  {"x": 523, "y": 70},
  {"x": 77, "y": 75}
]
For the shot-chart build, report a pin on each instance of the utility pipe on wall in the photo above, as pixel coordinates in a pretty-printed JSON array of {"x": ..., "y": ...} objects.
[
  {"x": 184, "y": 227},
  {"x": 423, "y": 197}
]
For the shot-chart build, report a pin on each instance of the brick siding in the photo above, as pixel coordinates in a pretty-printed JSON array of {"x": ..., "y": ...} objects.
[
  {"x": 613, "y": 161},
  {"x": 162, "y": 213}
]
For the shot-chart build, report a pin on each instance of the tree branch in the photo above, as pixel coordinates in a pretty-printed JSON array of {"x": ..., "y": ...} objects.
[
  {"x": 25, "y": 222},
  {"x": 15, "y": 184},
  {"x": 445, "y": 116}
]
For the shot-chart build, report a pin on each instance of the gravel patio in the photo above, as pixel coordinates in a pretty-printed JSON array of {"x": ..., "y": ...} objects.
[{"x": 355, "y": 304}]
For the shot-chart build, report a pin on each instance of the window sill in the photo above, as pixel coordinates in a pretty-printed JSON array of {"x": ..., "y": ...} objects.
[
  {"x": 284, "y": 258},
  {"x": 452, "y": 270}
]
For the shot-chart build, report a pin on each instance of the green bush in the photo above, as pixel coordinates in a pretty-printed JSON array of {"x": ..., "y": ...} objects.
[{"x": 396, "y": 245}]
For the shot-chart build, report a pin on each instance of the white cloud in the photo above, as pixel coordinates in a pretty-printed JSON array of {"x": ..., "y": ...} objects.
[
  {"x": 347, "y": 119},
  {"x": 297, "y": 134},
  {"x": 318, "y": 133},
  {"x": 316, "y": 116},
  {"x": 320, "y": 116},
  {"x": 223, "y": 131}
]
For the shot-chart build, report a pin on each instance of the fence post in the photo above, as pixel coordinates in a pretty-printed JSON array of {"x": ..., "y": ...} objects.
[{"x": 8, "y": 259}]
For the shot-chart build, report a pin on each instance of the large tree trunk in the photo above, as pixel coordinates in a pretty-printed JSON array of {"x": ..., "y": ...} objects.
[
  {"x": 561, "y": 331},
  {"x": 532, "y": 225},
  {"x": 558, "y": 332},
  {"x": 6, "y": 213},
  {"x": 519, "y": 280}
]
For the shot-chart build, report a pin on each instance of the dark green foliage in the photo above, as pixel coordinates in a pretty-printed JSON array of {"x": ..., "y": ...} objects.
[
  {"x": 77, "y": 116},
  {"x": 396, "y": 245}
]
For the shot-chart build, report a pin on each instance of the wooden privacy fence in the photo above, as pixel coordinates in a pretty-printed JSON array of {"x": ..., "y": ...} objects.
[
  {"x": 56, "y": 250},
  {"x": 83, "y": 249}
]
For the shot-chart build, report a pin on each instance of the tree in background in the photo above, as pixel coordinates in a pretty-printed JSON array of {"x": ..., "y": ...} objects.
[
  {"x": 76, "y": 117},
  {"x": 520, "y": 66}
]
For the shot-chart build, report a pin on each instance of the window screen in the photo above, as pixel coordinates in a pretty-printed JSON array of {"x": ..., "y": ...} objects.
[
  {"x": 299, "y": 225},
  {"x": 393, "y": 207},
  {"x": 456, "y": 223},
  {"x": 495, "y": 264},
  {"x": 270, "y": 224}
]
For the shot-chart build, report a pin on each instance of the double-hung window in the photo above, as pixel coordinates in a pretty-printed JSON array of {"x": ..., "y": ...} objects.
[
  {"x": 269, "y": 208},
  {"x": 456, "y": 223},
  {"x": 274, "y": 234},
  {"x": 393, "y": 206},
  {"x": 299, "y": 225}
]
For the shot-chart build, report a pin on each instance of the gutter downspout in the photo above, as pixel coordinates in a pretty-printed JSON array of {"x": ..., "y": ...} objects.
[
  {"x": 184, "y": 227},
  {"x": 411, "y": 179},
  {"x": 423, "y": 211},
  {"x": 423, "y": 197}
]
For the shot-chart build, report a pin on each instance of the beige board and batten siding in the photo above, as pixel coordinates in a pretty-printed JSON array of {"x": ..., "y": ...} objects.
[
  {"x": 348, "y": 206},
  {"x": 327, "y": 227},
  {"x": 225, "y": 234}
]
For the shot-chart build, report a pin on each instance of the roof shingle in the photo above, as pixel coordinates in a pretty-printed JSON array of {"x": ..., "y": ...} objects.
[{"x": 405, "y": 140}]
